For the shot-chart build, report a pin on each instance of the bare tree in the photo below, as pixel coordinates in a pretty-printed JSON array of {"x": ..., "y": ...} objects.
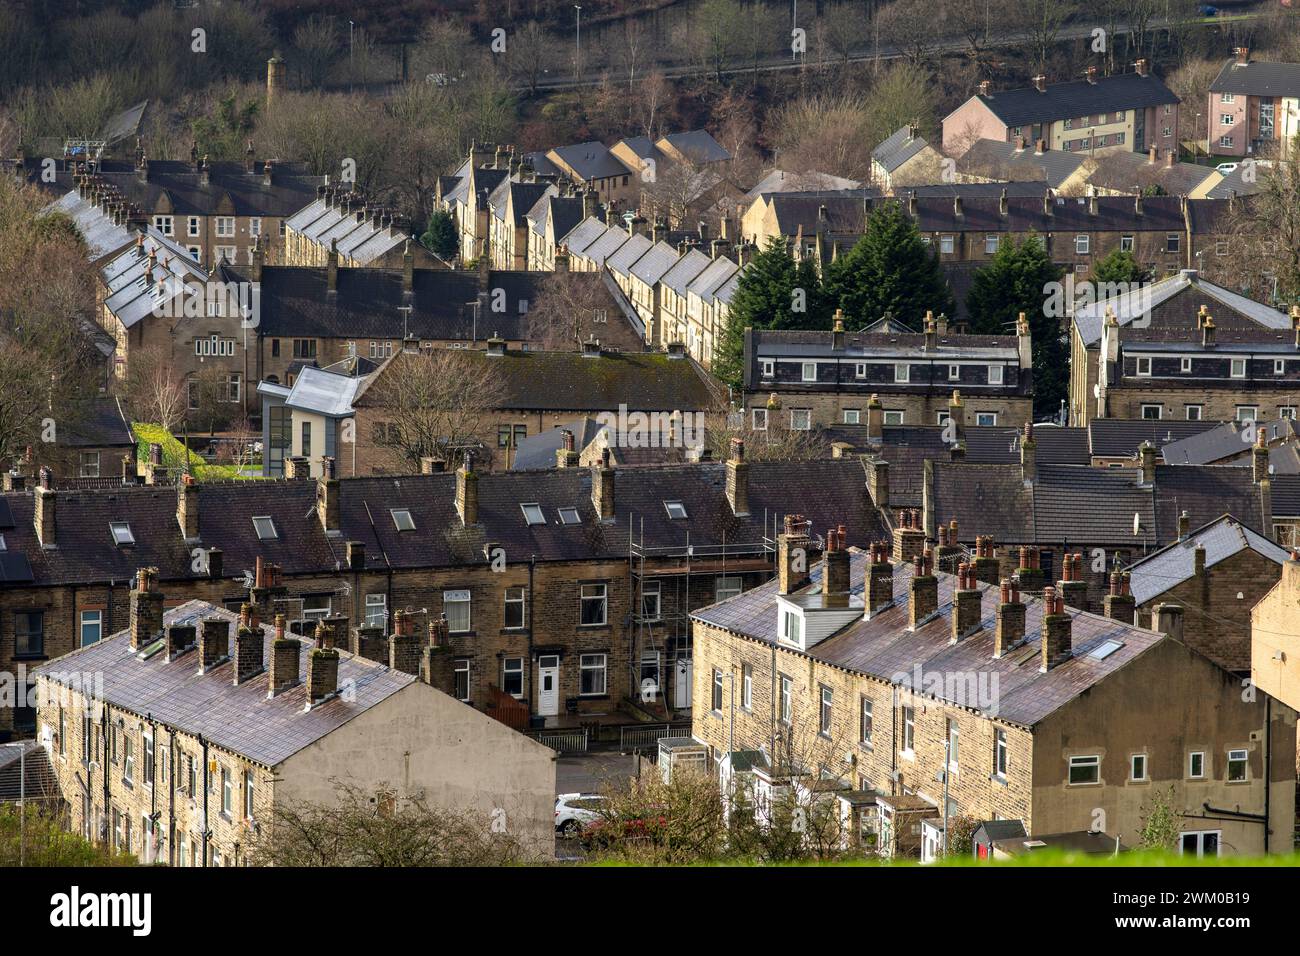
[
  {"x": 316, "y": 44},
  {"x": 1041, "y": 20},
  {"x": 842, "y": 30},
  {"x": 436, "y": 403},
  {"x": 650, "y": 100},
  {"x": 1191, "y": 82},
  {"x": 384, "y": 829},
  {"x": 827, "y": 134},
  {"x": 155, "y": 392},
  {"x": 914, "y": 28},
  {"x": 569, "y": 308},
  {"x": 777, "y": 442},
  {"x": 530, "y": 51},
  {"x": 1264, "y": 234}
]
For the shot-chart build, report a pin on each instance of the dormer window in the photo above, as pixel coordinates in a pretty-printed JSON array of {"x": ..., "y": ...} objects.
[
  {"x": 860, "y": 370},
  {"x": 533, "y": 513},
  {"x": 402, "y": 519},
  {"x": 675, "y": 509},
  {"x": 265, "y": 528},
  {"x": 791, "y": 626},
  {"x": 1144, "y": 366},
  {"x": 954, "y": 372},
  {"x": 121, "y": 531},
  {"x": 769, "y": 368},
  {"x": 902, "y": 373}
]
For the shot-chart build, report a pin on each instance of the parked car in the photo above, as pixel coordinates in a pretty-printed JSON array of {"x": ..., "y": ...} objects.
[
  {"x": 575, "y": 811},
  {"x": 1209, "y": 11}
]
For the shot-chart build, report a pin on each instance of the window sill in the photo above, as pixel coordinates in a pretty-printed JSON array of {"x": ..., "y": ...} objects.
[
  {"x": 593, "y": 697},
  {"x": 1000, "y": 780},
  {"x": 593, "y": 627},
  {"x": 31, "y": 657},
  {"x": 866, "y": 745}
]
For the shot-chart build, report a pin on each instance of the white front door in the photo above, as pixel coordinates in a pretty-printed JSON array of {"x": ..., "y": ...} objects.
[
  {"x": 682, "y": 684},
  {"x": 548, "y": 686}
]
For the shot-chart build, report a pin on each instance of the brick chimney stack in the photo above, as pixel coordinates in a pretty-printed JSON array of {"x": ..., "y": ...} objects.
[
  {"x": 876, "y": 418},
  {"x": 792, "y": 547},
  {"x": 1072, "y": 588},
  {"x": 923, "y": 596},
  {"x": 434, "y": 655},
  {"x": 909, "y": 537},
  {"x": 1118, "y": 604},
  {"x": 837, "y": 331},
  {"x": 880, "y": 580},
  {"x": 1057, "y": 641},
  {"x": 602, "y": 487},
  {"x": 878, "y": 481},
  {"x": 332, "y": 632},
  {"x": 214, "y": 642},
  {"x": 180, "y": 638},
  {"x": 948, "y": 550},
  {"x": 1030, "y": 574},
  {"x": 327, "y": 498},
  {"x": 1168, "y": 619},
  {"x": 249, "y": 644},
  {"x": 146, "y": 609},
  {"x": 284, "y": 660},
  {"x": 1207, "y": 332},
  {"x": 467, "y": 493},
  {"x": 1147, "y": 455},
  {"x": 46, "y": 498},
  {"x": 1010, "y": 627},
  {"x": 566, "y": 456},
  {"x": 835, "y": 570},
  {"x": 1259, "y": 457},
  {"x": 738, "y": 478},
  {"x": 187, "y": 507},
  {"x": 322, "y": 674},
  {"x": 404, "y": 644},
  {"x": 1184, "y": 525},
  {"x": 1028, "y": 454},
  {"x": 985, "y": 564},
  {"x": 966, "y": 603}
]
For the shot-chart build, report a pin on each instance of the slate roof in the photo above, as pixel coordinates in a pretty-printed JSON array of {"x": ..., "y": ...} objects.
[
  {"x": 101, "y": 233},
  {"x": 885, "y": 648},
  {"x": 239, "y": 718},
  {"x": 324, "y": 392},
  {"x": 783, "y": 181},
  {"x": 180, "y": 184},
  {"x": 606, "y": 245},
  {"x": 569, "y": 381},
  {"x": 581, "y": 236},
  {"x": 1067, "y": 214},
  {"x": 103, "y": 426},
  {"x": 698, "y": 146},
  {"x": 1234, "y": 183},
  {"x": 359, "y": 237},
  {"x": 130, "y": 282},
  {"x": 1258, "y": 79},
  {"x": 26, "y": 759},
  {"x": 845, "y": 211},
  {"x": 592, "y": 161},
  {"x": 712, "y": 277},
  {"x": 652, "y": 266},
  {"x": 1124, "y": 91},
  {"x": 1224, "y": 441},
  {"x": 1194, "y": 291},
  {"x": 1124, "y": 170},
  {"x": 685, "y": 270},
  {"x": 1222, "y": 538},
  {"x": 1001, "y": 160},
  {"x": 295, "y": 301},
  {"x": 828, "y": 492},
  {"x": 898, "y": 147},
  {"x": 1117, "y": 437},
  {"x": 628, "y": 253},
  {"x": 538, "y": 451},
  {"x": 1075, "y": 504}
]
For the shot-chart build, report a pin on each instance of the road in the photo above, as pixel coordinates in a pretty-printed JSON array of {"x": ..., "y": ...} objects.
[{"x": 589, "y": 772}]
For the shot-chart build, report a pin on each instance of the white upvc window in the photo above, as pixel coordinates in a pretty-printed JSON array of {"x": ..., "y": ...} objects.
[
  {"x": 825, "y": 712},
  {"x": 946, "y": 244},
  {"x": 866, "y": 719},
  {"x": 1247, "y": 413},
  {"x": 1152, "y": 412},
  {"x": 1000, "y": 754},
  {"x": 902, "y": 372},
  {"x": 852, "y": 416},
  {"x": 651, "y": 606},
  {"x": 1082, "y": 243},
  {"x": 986, "y": 419},
  {"x": 460, "y": 679},
  {"x": 1196, "y": 764},
  {"x": 801, "y": 419},
  {"x": 1143, "y": 366},
  {"x": 769, "y": 368},
  {"x": 92, "y": 627},
  {"x": 255, "y": 226},
  {"x": 512, "y": 676},
  {"x": 250, "y": 790},
  {"x": 995, "y": 374},
  {"x": 726, "y": 586},
  {"x": 1185, "y": 365},
  {"x": 591, "y": 674},
  {"x": 456, "y": 606},
  {"x": 860, "y": 369},
  {"x": 225, "y": 227},
  {"x": 594, "y": 604},
  {"x": 1237, "y": 766},
  {"x": 1137, "y": 767},
  {"x": 954, "y": 372},
  {"x": 1200, "y": 843},
  {"x": 515, "y": 608},
  {"x": 1085, "y": 770},
  {"x": 1193, "y": 412},
  {"x": 809, "y": 372},
  {"x": 759, "y": 419},
  {"x": 1279, "y": 366},
  {"x": 746, "y": 686},
  {"x": 909, "y": 731},
  {"x": 376, "y": 610},
  {"x": 991, "y": 244},
  {"x": 893, "y": 417},
  {"x": 787, "y": 699},
  {"x": 227, "y": 792}
]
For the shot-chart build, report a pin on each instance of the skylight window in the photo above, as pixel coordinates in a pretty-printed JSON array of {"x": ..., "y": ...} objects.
[
  {"x": 675, "y": 509},
  {"x": 265, "y": 528},
  {"x": 402, "y": 518},
  {"x": 121, "y": 532},
  {"x": 533, "y": 513},
  {"x": 569, "y": 516},
  {"x": 1105, "y": 649}
]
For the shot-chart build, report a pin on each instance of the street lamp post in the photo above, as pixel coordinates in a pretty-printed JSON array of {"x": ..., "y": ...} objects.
[
  {"x": 351, "y": 60},
  {"x": 577, "y": 63}
]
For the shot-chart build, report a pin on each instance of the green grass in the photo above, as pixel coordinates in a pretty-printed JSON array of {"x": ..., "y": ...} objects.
[{"x": 174, "y": 455}]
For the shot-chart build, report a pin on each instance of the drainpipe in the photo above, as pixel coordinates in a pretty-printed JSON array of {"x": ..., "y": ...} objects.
[
  {"x": 1268, "y": 767},
  {"x": 103, "y": 742},
  {"x": 171, "y": 799},
  {"x": 528, "y": 616},
  {"x": 207, "y": 827},
  {"x": 153, "y": 783}
]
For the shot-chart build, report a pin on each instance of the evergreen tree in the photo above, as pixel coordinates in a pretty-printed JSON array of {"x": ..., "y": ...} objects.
[
  {"x": 889, "y": 269},
  {"x": 1019, "y": 279},
  {"x": 440, "y": 237},
  {"x": 1120, "y": 266},
  {"x": 773, "y": 292}
]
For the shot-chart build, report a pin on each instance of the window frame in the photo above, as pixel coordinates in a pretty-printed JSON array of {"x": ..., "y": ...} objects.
[
  {"x": 601, "y": 668},
  {"x": 458, "y": 603},
  {"x": 512, "y": 602},
  {"x": 1083, "y": 762},
  {"x": 599, "y": 598}
]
